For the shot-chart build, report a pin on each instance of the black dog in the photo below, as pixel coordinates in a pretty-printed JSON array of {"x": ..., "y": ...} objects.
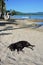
[{"x": 20, "y": 45}]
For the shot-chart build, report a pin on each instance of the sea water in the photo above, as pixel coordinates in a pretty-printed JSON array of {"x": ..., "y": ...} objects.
[{"x": 27, "y": 17}]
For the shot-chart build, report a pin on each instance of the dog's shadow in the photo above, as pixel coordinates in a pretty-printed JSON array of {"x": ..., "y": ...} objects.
[{"x": 20, "y": 45}]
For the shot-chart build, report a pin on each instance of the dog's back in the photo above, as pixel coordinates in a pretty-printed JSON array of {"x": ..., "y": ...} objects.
[{"x": 24, "y": 43}]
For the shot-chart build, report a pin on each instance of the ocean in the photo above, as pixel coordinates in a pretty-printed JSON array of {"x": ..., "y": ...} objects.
[{"x": 27, "y": 17}]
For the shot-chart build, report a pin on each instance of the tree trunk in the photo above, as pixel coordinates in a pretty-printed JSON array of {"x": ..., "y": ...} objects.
[{"x": 2, "y": 10}]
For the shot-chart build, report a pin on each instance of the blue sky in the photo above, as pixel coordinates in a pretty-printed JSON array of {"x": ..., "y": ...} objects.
[{"x": 26, "y": 6}]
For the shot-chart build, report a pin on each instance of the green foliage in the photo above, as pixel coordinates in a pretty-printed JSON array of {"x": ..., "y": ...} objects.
[{"x": 13, "y": 12}]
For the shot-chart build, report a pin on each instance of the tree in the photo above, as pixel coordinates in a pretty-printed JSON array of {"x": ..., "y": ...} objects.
[
  {"x": 2, "y": 7},
  {"x": 13, "y": 12},
  {"x": 3, "y": 4}
]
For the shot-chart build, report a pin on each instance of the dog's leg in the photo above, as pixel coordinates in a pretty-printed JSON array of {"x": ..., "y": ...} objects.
[
  {"x": 22, "y": 50},
  {"x": 31, "y": 48},
  {"x": 18, "y": 51}
]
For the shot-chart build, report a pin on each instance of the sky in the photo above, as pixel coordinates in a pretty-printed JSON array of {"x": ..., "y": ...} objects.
[{"x": 26, "y": 6}]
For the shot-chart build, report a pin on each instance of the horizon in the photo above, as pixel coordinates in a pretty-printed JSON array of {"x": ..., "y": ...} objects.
[{"x": 25, "y": 6}]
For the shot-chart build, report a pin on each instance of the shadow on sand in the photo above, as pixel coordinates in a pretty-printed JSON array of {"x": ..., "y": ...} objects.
[
  {"x": 9, "y": 22},
  {"x": 27, "y": 26},
  {"x": 5, "y": 33}
]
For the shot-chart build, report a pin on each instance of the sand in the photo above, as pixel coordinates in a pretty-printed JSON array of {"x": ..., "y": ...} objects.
[{"x": 29, "y": 57}]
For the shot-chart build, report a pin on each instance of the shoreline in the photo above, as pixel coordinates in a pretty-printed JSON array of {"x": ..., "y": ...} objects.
[
  {"x": 19, "y": 24},
  {"x": 31, "y": 20}
]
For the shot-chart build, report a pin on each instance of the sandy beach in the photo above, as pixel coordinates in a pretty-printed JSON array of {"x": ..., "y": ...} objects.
[{"x": 13, "y": 33}]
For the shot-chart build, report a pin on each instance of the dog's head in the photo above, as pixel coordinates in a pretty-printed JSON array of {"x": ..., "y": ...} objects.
[{"x": 11, "y": 47}]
